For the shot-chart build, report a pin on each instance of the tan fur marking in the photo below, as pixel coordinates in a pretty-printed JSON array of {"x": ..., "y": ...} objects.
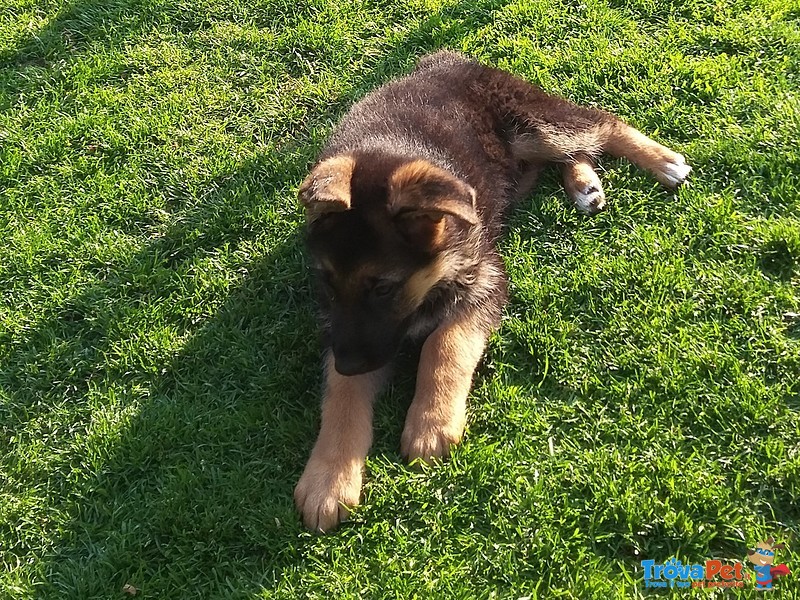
[
  {"x": 669, "y": 167},
  {"x": 579, "y": 175},
  {"x": 555, "y": 142},
  {"x": 409, "y": 190},
  {"x": 413, "y": 173},
  {"x": 331, "y": 482},
  {"x": 421, "y": 282},
  {"x": 327, "y": 187},
  {"x": 634, "y": 145},
  {"x": 437, "y": 415}
]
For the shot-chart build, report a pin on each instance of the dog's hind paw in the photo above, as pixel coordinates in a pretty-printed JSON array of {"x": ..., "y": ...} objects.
[
  {"x": 590, "y": 201},
  {"x": 326, "y": 492},
  {"x": 673, "y": 171},
  {"x": 583, "y": 186}
]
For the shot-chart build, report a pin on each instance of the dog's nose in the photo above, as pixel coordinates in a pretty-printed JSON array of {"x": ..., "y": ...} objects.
[{"x": 351, "y": 365}]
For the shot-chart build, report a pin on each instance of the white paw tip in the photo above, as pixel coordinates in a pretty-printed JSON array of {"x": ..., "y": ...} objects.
[
  {"x": 675, "y": 172},
  {"x": 590, "y": 200}
]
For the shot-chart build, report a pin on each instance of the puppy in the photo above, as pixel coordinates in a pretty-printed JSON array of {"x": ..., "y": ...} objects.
[{"x": 404, "y": 209}]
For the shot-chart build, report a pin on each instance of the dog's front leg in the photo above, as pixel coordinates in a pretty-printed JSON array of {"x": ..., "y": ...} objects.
[
  {"x": 331, "y": 482},
  {"x": 438, "y": 413}
]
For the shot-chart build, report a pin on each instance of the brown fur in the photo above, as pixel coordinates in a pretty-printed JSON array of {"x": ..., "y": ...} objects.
[
  {"x": 405, "y": 207},
  {"x": 327, "y": 188}
]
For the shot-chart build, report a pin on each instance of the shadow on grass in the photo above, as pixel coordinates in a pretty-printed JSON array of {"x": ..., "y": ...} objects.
[
  {"x": 203, "y": 438},
  {"x": 777, "y": 260},
  {"x": 191, "y": 489}
]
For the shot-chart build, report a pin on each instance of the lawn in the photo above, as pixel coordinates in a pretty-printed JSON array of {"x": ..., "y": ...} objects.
[{"x": 159, "y": 359}]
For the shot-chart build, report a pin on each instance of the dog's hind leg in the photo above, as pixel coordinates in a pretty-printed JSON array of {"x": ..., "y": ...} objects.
[
  {"x": 547, "y": 128},
  {"x": 669, "y": 167},
  {"x": 587, "y": 133},
  {"x": 583, "y": 185}
]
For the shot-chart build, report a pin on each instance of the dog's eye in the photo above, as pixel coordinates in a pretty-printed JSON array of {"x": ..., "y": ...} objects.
[{"x": 383, "y": 288}]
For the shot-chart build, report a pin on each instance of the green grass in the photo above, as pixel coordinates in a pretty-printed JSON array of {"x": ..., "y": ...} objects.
[{"x": 159, "y": 362}]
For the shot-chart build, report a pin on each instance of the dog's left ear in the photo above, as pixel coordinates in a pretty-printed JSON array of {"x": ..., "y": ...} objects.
[
  {"x": 429, "y": 204},
  {"x": 327, "y": 187}
]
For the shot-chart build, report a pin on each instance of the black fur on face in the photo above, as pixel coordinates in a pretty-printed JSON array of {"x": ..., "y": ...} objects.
[
  {"x": 377, "y": 241},
  {"x": 363, "y": 278}
]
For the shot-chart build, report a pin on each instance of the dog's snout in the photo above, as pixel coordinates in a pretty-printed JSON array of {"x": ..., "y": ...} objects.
[
  {"x": 360, "y": 344},
  {"x": 350, "y": 363}
]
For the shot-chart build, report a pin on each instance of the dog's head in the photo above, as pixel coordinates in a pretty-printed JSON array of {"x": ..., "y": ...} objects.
[{"x": 381, "y": 232}]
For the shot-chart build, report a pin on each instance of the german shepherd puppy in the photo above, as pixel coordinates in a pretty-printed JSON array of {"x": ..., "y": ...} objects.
[{"x": 404, "y": 209}]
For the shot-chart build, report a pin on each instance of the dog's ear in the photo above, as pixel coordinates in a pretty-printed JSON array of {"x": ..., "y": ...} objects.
[
  {"x": 429, "y": 204},
  {"x": 327, "y": 187}
]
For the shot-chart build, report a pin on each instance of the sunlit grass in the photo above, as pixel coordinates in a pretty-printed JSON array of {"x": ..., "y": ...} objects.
[{"x": 159, "y": 361}]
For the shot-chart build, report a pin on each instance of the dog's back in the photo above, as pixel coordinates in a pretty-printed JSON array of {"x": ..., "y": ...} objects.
[{"x": 440, "y": 112}]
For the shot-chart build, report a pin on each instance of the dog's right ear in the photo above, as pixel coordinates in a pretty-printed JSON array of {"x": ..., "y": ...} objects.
[{"x": 327, "y": 187}]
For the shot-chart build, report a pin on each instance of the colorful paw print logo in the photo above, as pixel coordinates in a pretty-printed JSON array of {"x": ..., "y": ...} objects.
[{"x": 763, "y": 557}]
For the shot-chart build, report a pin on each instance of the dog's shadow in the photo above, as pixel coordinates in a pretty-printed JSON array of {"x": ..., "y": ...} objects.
[{"x": 204, "y": 443}]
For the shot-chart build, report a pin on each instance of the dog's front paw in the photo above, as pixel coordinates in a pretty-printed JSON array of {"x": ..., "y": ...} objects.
[
  {"x": 428, "y": 437},
  {"x": 326, "y": 492},
  {"x": 673, "y": 171}
]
